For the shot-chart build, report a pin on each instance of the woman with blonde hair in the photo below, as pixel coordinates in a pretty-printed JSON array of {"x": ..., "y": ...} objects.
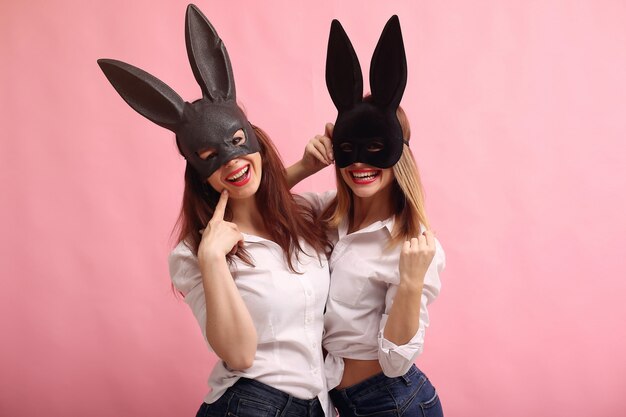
[{"x": 385, "y": 262}]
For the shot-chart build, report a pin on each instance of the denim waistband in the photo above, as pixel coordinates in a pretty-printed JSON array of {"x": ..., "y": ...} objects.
[
  {"x": 252, "y": 388},
  {"x": 375, "y": 382}
]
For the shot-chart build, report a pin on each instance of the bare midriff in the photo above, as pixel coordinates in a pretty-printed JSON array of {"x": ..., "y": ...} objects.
[{"x": 355, "y": 371}]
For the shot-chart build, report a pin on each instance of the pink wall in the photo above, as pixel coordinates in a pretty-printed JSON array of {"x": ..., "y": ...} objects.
[{"x": 519, "y": 115}]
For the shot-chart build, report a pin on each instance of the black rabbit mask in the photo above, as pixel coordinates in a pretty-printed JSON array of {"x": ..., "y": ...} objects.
[
  {"x": 368, "y": 130},
  {"x": 209, "y": 122}
]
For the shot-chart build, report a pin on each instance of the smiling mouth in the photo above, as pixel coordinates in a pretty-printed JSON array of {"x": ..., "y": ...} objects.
[
  {"x": 240, "y": 177},
  {"x": 365, "y": 176}
]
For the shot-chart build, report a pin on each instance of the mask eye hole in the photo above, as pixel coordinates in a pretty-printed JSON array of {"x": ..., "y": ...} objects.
[
  {"x": 346, "y": 147},
  {"x": 375, "y": 146},
  {"x": 207, "y": 154},
  {"x": 239, "y": 138}
]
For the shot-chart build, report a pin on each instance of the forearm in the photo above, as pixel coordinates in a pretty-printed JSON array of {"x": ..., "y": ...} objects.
[
  {"x": 229, "y": 327},
  {"x": 297, "y": 172},
  {"x": 404, "y": 316}
]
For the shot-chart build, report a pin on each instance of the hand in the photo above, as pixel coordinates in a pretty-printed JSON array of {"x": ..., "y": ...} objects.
[
  {"x": 318, "y": 153},
  {"x": 415, "y": 258},
  {"x": 220, "y": 237}
]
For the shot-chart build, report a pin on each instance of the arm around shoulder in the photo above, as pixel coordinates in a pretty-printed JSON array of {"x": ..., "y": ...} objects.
[{"x": 318, "y": 154}]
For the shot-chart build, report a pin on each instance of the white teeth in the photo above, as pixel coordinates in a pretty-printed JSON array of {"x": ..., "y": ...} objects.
[
  {"x": 239, "y": 174},
  {"x": 369, "y": 174}
]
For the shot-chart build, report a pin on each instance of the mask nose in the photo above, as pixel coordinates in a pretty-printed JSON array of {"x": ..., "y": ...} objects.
[{"x": 232, "y": 162}]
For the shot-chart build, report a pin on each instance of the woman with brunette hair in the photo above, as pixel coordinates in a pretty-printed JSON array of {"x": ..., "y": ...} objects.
[
  {"x": 250, "y": 262},
  {"x": 386, "y": 262},
  {"x": 257, "y": 280}
]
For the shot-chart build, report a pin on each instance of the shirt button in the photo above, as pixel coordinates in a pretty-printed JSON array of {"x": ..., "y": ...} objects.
[{"x": 307, "y": 320}]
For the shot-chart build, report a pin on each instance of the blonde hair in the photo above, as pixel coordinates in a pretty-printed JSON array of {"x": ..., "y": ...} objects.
[{"x": 408, "y": 204}]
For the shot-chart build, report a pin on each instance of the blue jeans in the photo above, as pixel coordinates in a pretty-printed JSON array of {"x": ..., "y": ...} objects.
[
  {"x": 250, "y": 398},
  {"x": 408, "y": 395}
]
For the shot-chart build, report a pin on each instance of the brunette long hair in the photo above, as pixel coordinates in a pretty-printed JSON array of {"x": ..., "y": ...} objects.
[{"x": 285, "y": 220}]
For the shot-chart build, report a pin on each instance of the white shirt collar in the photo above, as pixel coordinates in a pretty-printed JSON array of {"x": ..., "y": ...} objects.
[
  {"x": 253, "y": 238},
  {"x": 388, "y": 223}
]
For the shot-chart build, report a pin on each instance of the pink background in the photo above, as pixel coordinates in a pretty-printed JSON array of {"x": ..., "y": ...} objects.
[{"x": 518, "y": 110}]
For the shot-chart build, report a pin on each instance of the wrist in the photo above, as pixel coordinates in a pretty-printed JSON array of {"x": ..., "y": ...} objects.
[
  {"x": 306, "y": 169},
  {"x": 411, "y": 285},
  {"x": 210, "y": 255}
]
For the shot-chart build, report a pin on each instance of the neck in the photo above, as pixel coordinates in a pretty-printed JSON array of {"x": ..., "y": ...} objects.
[
  {"x": 246, "y": 216},
  {"x": 368, "y": 210}
]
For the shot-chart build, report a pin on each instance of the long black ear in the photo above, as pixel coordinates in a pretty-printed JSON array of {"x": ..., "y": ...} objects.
[
  {"x": 145, "y": 93},
  {"x": 388, "y": 71},
  {"x": 343, "y": 71},
  {"x": 208, "y": 57}
]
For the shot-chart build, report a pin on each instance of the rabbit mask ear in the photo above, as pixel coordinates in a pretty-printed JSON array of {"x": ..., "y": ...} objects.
[
  {"x": 368, "y": 130},
  {"x": 388, "y": 70},
  {"x": 343, "y": 71},
  {"x": 145, "y": 93},
  {"x": 208, "y": 57},
  {"x": 208, "y": 123}
]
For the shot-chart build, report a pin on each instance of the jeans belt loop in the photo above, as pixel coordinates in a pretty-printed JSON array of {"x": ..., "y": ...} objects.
[
  {"x": 286, "y": 406},
  {"x": 406, "y": 379}
]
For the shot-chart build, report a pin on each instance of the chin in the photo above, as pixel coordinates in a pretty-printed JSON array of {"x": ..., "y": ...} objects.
[
  {"x": 365, "y": 193},
  {"x": 241, "y": 194}
]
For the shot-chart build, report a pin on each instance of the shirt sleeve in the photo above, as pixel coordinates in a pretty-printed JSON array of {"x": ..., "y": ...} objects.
[
  {"x": 317, "y": 201},
  {"x": 396, "y": 360},
  {"x": 186, "y": 277}
]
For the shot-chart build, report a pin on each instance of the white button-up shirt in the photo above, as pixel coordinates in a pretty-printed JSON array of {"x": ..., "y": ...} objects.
[
  {"x": 286, "y": 308},
  {"x": 364, "y": 281}
]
